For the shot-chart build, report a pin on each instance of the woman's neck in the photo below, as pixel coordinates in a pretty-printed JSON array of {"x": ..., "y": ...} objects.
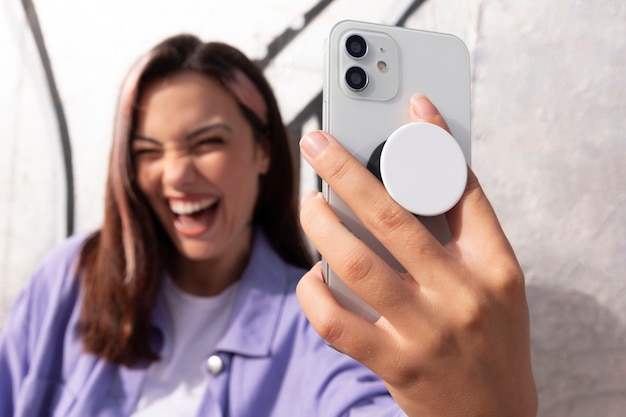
[{"x": 211, "y": 276}]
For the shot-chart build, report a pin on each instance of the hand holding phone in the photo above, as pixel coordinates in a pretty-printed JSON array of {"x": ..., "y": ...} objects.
[{"x": 453, "y": 337}]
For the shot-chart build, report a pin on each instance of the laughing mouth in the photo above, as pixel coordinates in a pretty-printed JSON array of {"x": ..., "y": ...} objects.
[{"x": 193, "y": 217}]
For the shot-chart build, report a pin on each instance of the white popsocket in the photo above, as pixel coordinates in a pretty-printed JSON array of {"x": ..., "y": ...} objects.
[{"x": 423, "y": 168}]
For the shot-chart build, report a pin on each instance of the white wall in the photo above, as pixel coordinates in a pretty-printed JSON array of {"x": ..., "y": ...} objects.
[{"x": 549, "y": 104}]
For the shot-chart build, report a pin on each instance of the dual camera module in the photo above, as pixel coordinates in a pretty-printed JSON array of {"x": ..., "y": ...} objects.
[{"x": 356, "y": 77}]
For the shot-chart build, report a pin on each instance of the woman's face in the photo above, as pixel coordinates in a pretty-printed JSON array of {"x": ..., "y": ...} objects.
[{"x": 198, "y": 164}]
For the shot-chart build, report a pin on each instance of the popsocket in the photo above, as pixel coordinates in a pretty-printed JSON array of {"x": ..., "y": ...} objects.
[{"x": 422, "y": 168}]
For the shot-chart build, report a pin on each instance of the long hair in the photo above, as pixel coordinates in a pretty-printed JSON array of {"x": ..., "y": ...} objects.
[{"x": 121, "y": 264}]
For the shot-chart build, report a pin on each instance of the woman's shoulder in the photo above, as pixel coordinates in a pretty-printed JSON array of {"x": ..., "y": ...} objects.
[
  {"x": 54, "y": 278},
  {"x": 48, "y": 297},
  {"x": 66, "y": 250},
  {"x": 62, "y": 259}
]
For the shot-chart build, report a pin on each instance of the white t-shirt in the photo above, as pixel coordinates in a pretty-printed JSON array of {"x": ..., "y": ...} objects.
[{"x": 176, "y": 384}]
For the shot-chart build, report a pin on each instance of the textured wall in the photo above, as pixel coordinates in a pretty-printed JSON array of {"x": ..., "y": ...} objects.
[{"x": 549, "y": 104}]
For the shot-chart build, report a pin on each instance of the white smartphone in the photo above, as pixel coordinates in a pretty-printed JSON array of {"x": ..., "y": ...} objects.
[{"x": 371, "y": 71}]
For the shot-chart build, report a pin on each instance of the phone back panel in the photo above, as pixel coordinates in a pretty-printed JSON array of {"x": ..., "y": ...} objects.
[{"x": 398, "y": 63}]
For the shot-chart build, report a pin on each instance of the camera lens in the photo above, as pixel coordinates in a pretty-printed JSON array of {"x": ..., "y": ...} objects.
[
  {"x": 356, "y": 46},
  {"x": 356, "y": 78}
]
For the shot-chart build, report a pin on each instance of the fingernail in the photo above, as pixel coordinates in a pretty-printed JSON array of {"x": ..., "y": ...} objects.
[
  {"x": 422, "y": 107},
  {"x": 313, "y": 143},
  {"x": 307, "y": 196}
]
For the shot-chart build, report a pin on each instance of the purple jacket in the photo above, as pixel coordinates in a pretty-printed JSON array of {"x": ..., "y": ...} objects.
[{"x": 273, "y": 363}]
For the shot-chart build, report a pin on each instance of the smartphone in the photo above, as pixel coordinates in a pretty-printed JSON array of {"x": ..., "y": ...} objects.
[{"x": 371, "y": 71}]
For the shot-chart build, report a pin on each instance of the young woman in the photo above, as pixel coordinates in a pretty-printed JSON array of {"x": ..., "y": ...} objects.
[{"x": 184, "y": 302}]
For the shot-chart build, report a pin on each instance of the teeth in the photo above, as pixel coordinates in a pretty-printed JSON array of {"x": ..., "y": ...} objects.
[{"x": 188, "y": 207}]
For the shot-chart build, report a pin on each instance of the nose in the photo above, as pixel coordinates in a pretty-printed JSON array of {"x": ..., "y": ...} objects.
[{"x": 179, "y": 171}]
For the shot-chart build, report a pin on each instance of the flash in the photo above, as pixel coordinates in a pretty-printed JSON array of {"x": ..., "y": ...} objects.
[{"x": 382, "y": 66}]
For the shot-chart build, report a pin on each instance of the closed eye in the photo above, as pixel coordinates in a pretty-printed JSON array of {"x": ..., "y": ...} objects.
[
  {"x": 209, "y": 141},
  {"x": 143, "y": 147},
  {"x": 207, "y": 144},
  {"x": 145, "y": 152},
  {"x": 209, "y": 136}
]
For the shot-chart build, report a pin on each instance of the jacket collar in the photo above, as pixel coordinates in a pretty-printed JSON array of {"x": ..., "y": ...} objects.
[
  {"x": 258, "y": 305},
  {"x": 264, "y": 285}
]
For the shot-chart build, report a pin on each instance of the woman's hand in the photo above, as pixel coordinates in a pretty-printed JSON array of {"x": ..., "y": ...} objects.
[{"x": 453, "y": 338}]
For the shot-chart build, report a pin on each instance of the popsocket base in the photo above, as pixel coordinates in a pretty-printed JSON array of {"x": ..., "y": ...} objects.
[{"x": 422, "y": 167}]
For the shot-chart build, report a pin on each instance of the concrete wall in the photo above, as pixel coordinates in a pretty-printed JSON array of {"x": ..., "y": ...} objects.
[{"x": 549, "y": 104}]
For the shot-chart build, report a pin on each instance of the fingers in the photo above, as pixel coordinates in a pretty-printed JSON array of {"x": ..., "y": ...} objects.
[
  {"x": 472, "y": 219},
  {"x": 397, "y": 229},
  {"x": 342, "y": 329},
  {"x": 423, "y": 110},
  {"x": 370, "y": 277}
]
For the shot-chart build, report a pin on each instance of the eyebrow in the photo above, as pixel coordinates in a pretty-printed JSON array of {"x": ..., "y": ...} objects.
[
  {"x": 145, "y": 138},
  {"x": 190, "y": 135}
]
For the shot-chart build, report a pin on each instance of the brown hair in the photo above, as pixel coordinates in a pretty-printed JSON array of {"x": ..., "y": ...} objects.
[{"x": 122, "y": 262}]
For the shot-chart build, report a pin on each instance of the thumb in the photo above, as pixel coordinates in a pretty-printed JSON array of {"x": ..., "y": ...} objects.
[{"x": 423, "y": 110}]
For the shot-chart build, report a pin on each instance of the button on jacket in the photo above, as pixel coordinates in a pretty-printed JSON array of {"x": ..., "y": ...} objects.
[{"x": 270, "y": 361}]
